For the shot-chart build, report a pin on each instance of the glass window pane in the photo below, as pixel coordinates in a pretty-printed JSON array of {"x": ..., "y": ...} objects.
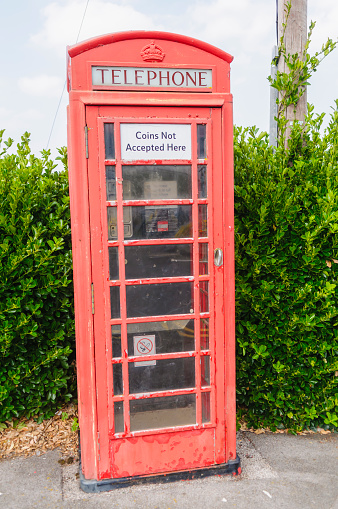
[
  {"x": 112, "y": 222},
  {"x": 116, "y": 340},
  {"x": 115, "y": 302},
  {"x": 127, "y": 222},
  {"x": 110, "y": 183},
  {"x": 169, "y": 336},
  {"x": 158, "y": 261},
  {"x": 117, "y": 379},
  {"x": 118, "y": 417},
  {"x": 155, "y": 413},
  {"x": 109, "y": 141},
  {"x": 204, "y": 331},
  {"x": 204, "y": 296},
  {"x": 159, "y": 299},
  {"x": 162, "y": 375},
  {"x": 173, "y": 221},
  {"x": 202, "y": 221},
  {"x": 205, "y": 370},
  {"x": 203, "y": 259},
  {"x": 206, "y": 407},
  {"x": 156, "y": 182},
  {"x": 201, "y": 141},
  {"x": 202, "y": 180},
  {"x": 113, "y": 263},
  {"x": 126, "y": 190}
]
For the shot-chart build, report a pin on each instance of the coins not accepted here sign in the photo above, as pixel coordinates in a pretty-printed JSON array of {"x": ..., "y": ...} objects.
[{"x": 141, "y": 142}]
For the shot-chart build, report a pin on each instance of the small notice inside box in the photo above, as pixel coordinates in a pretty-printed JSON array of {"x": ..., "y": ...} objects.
[
  {"x": 160, "y": 190},
  {"x": 142, "y": 142},
  {"x": 162, "y": 226}
]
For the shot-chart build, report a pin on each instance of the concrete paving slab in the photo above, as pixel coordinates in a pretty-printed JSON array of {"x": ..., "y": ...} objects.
[
  {"x": 200, "y": 492},
  {"x": 31, "y": 482},
  {"x": 311, "y": 454},
  {"x": 279, "y": 472},
  {"x": 309, "y": 463}
]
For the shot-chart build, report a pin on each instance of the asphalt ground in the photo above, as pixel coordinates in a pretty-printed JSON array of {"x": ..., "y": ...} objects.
[{"x": 278, "y": 471}]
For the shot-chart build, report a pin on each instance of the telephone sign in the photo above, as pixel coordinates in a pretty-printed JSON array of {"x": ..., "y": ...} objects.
[
  {"x": 150, "y": 77},
  {"x": 151, "y": 187}
]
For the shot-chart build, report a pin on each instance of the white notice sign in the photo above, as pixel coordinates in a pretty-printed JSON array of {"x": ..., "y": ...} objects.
[
  {"x": 144, "y": 345},
  {"x": 143, "y": 142}
]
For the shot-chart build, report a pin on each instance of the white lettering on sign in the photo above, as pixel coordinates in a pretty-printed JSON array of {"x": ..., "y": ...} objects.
[
  {"x": 116, "y": 77},
  {"x": 142, "y": 142},
  {"x": 144, "y": 345}
]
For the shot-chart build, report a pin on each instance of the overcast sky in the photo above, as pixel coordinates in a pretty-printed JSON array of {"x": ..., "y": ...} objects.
[{"x": 34, "y": 35}]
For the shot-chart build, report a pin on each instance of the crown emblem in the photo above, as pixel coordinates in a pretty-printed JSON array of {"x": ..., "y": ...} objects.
[{"x": 152, "y": 53}]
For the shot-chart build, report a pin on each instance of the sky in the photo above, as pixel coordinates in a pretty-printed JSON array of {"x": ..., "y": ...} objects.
[{"x": 34, "y": 35}]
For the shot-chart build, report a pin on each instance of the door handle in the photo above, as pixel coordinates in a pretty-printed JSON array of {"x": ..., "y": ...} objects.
[{"x": 218, "y": 257}]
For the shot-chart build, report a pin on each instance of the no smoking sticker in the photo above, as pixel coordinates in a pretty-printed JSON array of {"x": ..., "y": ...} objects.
[{"x": 144, "y": 345}]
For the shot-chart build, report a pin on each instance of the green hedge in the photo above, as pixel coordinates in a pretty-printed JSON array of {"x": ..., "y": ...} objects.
[
  {"x": 36, "y": 294},
  {"x": 286, "y": 217}
]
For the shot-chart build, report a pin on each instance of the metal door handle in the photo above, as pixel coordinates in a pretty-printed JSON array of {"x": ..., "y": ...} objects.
[{"x": 218, "y": 257}]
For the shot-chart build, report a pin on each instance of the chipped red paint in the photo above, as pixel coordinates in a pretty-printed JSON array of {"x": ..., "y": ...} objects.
[
  {"x": 104, "y": 453},
  {"x": 176, "y": 452}
]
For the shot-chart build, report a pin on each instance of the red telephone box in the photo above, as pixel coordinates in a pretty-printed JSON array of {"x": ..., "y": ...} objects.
[{"x": 151, "y": 186}]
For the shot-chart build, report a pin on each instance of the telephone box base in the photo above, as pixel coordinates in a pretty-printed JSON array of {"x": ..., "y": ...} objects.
[{"x": 92, "y": 486}]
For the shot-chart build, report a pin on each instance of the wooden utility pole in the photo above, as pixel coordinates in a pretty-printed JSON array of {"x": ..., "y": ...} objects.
[
  {"x": 294, "y": 39},
  {"x": 273, "y": 137}
]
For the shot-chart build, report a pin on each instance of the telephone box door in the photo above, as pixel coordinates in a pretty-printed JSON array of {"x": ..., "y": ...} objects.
[{"x": 155, "y": 195}]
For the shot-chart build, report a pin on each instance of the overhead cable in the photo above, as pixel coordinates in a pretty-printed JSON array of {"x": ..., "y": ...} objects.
[{"x": 64, "y": 85}]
